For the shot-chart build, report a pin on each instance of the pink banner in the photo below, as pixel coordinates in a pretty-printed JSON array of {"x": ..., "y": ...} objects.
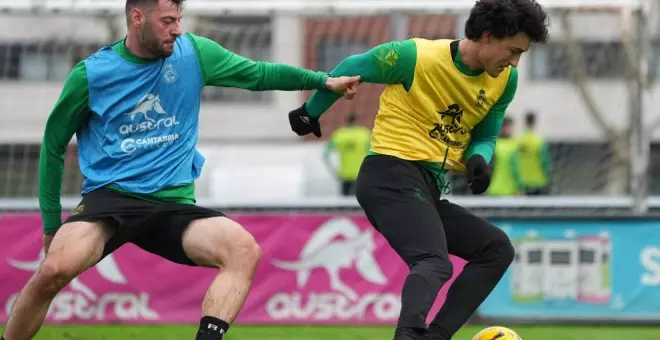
[{"x": 315, "y": 269}]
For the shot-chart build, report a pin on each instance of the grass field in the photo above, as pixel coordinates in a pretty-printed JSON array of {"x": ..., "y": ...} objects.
[{"x": 239, "y": 332}]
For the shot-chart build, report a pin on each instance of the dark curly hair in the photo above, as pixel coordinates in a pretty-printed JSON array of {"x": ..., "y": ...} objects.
[{"x": 506, "y": 18}]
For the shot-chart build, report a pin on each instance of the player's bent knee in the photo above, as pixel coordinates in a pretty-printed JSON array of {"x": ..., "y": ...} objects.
[
  {"x": 434, "y": 267},
  {"x": 444, "y": 269},
  {"x": 502, "y": 249},
  {"x": 53, "y": 276},
  {"x": 507, "y": 252},
  {"x": 221, "y": 242},
  {"x": 244, "y": 252}
]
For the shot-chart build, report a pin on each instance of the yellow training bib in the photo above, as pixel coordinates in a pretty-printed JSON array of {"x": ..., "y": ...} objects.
[{"x": 439, "y": 112}]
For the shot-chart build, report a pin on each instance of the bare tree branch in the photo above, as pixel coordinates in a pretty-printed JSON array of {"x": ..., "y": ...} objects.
[
  {"x": 580, "y": 78},
  {"x": 632, "y": 57}
]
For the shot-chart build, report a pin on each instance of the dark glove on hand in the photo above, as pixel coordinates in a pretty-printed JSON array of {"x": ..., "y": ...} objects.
[
  {"x": 302, "y": 124},
  {"x": 478, "y": 174}
]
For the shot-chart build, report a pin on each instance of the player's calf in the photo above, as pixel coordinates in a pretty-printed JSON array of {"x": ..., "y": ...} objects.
[
  {"x": 31, "y": 305},
  {"x": 222, "y": 243},
  {"x": 423, "y": 283},
  {"x": 61, "y": 265},
  {"x": 472, "y": 286}
]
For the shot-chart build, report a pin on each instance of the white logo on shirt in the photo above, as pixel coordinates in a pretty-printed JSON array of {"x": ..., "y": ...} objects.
[{"x": 169, "y": 74}]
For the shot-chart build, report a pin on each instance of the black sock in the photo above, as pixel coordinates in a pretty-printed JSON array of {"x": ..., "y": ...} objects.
[{"x": 211, "y": 328}]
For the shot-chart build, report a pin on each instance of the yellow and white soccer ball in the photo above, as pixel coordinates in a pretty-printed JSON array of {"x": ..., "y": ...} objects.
[{"x": 497, "y": 333}]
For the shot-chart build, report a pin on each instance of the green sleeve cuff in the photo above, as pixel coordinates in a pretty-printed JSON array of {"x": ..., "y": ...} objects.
[
  {"x": 483, "y": 148},
  {"x": 52, "y": 221},
  {"x": 323, "y": 79}
]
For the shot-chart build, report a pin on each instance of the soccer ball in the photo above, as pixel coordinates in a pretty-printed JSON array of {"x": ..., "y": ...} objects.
[{"x": 497, "y": 333}]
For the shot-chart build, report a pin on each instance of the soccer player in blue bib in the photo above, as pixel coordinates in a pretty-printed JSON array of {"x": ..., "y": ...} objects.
[{"x": 134, "y": 108}]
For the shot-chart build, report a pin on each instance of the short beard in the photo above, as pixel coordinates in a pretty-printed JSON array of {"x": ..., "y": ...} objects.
[{"x": 151, "y": 45}]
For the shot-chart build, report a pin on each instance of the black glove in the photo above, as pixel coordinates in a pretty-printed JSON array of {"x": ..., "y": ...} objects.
[
  {"x": 478, "y": 174},
  {"x": 302, "y": 124}
]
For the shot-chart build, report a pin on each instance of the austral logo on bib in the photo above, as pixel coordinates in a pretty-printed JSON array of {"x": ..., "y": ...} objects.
[
  {"x": 449, "y": 130},
  {"x": 148, "y": 115}
]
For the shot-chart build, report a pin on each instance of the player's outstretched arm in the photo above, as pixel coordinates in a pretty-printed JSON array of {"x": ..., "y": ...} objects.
[
  {"x": 66, "y": 117},
  {"x": 390, "y": 63},
  {"x": 484, "y": 135},
  {"x": 224, "y": 68}
]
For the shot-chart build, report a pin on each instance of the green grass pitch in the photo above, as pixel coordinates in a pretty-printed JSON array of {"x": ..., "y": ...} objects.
[{"x": 248, "y": 332}]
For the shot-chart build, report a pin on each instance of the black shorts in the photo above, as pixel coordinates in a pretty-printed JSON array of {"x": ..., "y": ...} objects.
[
  {"x": 403, "y": 203},
  {"x": 155, "y": 227}
]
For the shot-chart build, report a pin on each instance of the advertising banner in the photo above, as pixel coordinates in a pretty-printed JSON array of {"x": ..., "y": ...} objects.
[
  {"x": 607, "y": 269},
  {"x": 318, "y": 269}
]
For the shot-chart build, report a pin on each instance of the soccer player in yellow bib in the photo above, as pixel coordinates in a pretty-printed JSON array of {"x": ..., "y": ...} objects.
[
  {"x": 351, "y": 142},
  {"x": 441, "y": 111}
]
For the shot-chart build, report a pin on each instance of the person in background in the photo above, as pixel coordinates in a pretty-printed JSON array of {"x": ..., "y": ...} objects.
[
  {"x": 535, "y": 165},
  {"x": 506, "y": 177},
  {"x": 351, "y": 142}
]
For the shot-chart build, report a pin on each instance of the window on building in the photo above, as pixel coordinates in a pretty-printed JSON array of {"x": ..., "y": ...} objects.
[
  {"x": 9, "y": 60},
  {"x": 249, "y": 37},
  {"x": 600, "y": 60},
  {"x": 41, "y": 61},
  {"x": 332, "y": 50}
]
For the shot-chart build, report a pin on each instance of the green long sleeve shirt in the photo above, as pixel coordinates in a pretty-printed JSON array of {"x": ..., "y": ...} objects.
[
  {"x": 219, "y": 67},
  {"x": 374, "y": 66}
]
